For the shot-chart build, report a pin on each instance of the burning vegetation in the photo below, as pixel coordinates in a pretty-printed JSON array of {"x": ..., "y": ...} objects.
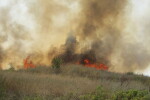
[
  {"x": 97, "y": 66},
  {"x": 28, "y": 63}
]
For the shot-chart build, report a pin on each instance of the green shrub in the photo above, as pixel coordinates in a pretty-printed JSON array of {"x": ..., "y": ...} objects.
[
  {"x": 130, "y": 73},
  {"x": 99, "y": 94},
  {"x": 56, "y": 63},
  {"x": 146, "y": 97},
  {"x": 131, "y": 95}
]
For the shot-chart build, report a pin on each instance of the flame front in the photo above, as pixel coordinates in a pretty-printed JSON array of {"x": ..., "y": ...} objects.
[
  {"x": 28, "y": 63},
  {"x": 97, "y": 66}
]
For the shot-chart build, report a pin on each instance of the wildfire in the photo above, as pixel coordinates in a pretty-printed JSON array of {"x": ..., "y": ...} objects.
[
  {"x": 97, "y": 66},
  {"x": 28, "y": 63}
]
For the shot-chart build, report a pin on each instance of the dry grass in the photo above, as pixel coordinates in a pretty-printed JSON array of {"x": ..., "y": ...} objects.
[
  {"x": 73, "y": 80},
  {"x": 42, "y": 84}
]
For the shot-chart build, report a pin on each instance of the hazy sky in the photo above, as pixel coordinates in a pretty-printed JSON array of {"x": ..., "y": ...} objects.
[{"x": 140, "y": 15}]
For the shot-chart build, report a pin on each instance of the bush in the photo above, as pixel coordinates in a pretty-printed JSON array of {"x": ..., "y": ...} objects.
[
  {"x": 130, "y": 73},
  {"x": 147, "y": 97},
  {"x": 99, "y": 94},
  {"x": 56, "y": 63},
  {"x": 131, "y": 95}
]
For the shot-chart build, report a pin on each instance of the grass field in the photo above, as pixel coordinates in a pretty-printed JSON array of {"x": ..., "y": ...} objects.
[{"x": 72, "y": 82}]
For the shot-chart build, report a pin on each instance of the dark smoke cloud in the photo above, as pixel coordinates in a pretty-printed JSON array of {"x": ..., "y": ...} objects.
[
  {"x": 99, "y": 24},
  {"x": 69, "y": 50},
  {"x": 99, "y": 14}
]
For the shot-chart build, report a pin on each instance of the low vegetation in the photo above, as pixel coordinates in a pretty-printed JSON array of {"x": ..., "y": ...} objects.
[
  {"x": 56, "y": 63},
  {"x": 73, "y": 82}
]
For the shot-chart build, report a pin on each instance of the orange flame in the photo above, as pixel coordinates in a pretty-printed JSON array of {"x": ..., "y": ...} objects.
[
  {"x": 28, "y": 63},
  {"x": 99, "y": 67}
]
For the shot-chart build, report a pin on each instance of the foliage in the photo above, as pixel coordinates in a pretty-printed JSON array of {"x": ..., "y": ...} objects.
[
  {"x": 56, "y": 63},
  {"x": 2, "y": 88},
  {"x": 130, "y": 73},
  {"x": 147, "y": 97},
  {"x": 131, "y": 95},
  {"x": 99, "y": 94}
]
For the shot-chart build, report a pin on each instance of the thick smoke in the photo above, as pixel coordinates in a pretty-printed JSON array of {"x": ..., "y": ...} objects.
[
  {"x": 69, "y": 55},
  {"x": 98, "y": 30},
  {"x": 27, "y": 29},
  {"x": 44, "y": 12},
  {"x": 11, "y": 37},
  {"x": 103, "y": 24},
  {"x": 98, "y": 25},
  {"x": 99, "y": 14},
  {"x": 135, "y": 56}
]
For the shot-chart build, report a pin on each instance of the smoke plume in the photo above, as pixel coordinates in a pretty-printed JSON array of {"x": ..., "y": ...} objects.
[{"x": 102, "y": 31}]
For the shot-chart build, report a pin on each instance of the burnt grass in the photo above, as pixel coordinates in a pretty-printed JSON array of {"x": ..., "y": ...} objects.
[{"x": 70, "y": 82}]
